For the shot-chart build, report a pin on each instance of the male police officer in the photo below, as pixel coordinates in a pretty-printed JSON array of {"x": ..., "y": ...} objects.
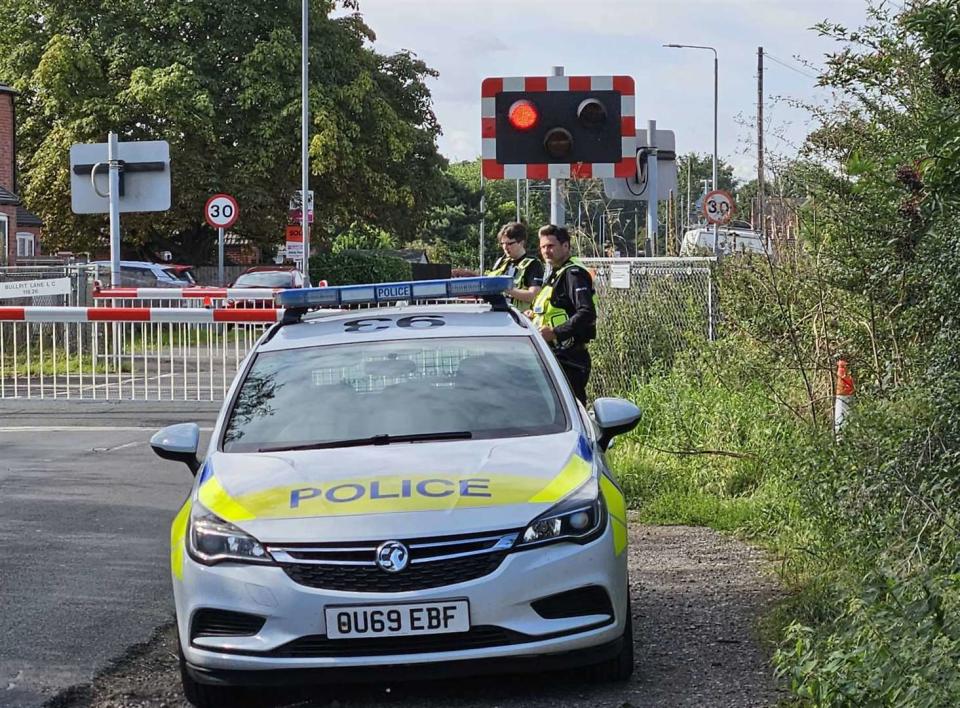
[
  {"x": 564, "y": 309},
  {"x": 526, "y": 270}
]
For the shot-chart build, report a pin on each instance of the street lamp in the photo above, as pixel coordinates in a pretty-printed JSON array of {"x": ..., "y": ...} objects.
[
  {"x": 716, "y": 242},
  {"x": 305, "y": 135}
]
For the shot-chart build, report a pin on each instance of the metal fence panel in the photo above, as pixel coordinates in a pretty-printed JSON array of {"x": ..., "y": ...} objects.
[
  {"x": 122, "y": 360},
  {"x": 648, "y": 309}
]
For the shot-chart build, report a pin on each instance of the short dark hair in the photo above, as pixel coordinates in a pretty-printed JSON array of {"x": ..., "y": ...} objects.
[
  {"x": 558, "y": 232},
  {"x": 514, "y": 230}
]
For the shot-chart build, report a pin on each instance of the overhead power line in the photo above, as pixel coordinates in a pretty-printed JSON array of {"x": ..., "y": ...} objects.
[{"x": 784, "y": 64}]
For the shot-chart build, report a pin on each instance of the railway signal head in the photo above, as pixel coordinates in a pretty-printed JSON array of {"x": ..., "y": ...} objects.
[{"x": 558, "y": 126}]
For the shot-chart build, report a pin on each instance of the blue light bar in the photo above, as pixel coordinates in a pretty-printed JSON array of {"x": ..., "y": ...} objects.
[{"x": 393, "y": 292}]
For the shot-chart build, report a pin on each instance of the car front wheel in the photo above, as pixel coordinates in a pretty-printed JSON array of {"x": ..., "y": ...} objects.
[
  {"x": 619, "y": 667},
  {"x": 204, "y": 695}
]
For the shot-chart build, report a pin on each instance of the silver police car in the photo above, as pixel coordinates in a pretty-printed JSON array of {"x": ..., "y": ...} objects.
[{"x": 411, "y": 489}]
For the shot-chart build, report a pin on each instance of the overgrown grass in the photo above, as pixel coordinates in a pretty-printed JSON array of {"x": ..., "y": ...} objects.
[
  {"x": 707, "y": 452},
  {"x": 61, "y": 365},
  {"x": 864, "y": 529}
]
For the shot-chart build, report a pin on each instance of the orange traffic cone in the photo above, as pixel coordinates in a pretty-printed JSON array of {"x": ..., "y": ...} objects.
[{"x": 844, "y": 396}]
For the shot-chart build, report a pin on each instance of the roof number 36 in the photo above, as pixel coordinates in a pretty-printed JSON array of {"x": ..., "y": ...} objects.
[{"x": 371, "y": 324}]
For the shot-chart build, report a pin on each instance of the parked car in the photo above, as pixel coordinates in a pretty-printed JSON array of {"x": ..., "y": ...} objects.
[
  {"x": 143, "y": 274},
  {"x": 185, "y": 272},
  {"x": 698, "y": 241},
  {"x": 269, "y": 276}
]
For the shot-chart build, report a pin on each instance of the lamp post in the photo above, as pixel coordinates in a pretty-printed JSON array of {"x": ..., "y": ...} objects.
[
  {"x": 716, "y": 242},
  {"x": 305, "y": 135}
]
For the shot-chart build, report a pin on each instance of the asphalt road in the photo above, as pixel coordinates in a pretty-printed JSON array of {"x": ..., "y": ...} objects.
[
  {"x": 86, "y": 619},
  {"x": 85, "y": 508}
]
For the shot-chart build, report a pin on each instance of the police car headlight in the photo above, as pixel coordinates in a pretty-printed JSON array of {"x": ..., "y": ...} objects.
[
  {"x": 579, "y": 518},
  {"x": 212, "y": 540}
]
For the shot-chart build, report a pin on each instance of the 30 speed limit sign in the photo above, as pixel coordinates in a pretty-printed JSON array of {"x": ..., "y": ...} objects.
[
  {"x": 718, "y": 207},
  {"x": 221, "y": 211}
]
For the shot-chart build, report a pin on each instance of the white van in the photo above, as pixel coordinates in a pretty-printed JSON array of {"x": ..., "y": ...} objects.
[{"x": 698, "y": 240}]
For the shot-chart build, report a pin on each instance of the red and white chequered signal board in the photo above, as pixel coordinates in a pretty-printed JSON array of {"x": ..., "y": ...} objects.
[{"x": 626, "y": 167}]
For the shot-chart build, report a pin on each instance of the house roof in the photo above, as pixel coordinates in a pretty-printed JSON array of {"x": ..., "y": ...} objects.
[
  {"x": 7, "y": 89},
  {"x": 27, "y": 218},
  {"x": 8, "y": 197}
]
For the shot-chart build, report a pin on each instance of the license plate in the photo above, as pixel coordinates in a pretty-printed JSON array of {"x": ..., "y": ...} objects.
[{"x": 350, "y": 622}]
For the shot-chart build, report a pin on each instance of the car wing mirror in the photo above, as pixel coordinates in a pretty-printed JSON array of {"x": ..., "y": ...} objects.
[
  {"x": 614, "y": 416},
  {"x": 178, "y": 442}
]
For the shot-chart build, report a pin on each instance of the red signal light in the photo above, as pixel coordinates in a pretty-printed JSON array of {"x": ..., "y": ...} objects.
[{"x": 523, "y": 115}]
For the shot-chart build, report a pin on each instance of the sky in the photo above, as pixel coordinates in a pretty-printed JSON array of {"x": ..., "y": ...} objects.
[{"x": 468, "y": 40}]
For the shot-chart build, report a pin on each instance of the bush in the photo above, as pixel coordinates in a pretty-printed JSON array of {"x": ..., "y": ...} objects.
[{"x": 351, "y": 267}]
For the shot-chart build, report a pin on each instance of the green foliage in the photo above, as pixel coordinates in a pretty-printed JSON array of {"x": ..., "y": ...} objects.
[
  {"x": 351, "y": 267},
  {"x": 360, "y": 236},
  {"x": 453, "y": 226},
  {"x": 866, "y": 526},
  {"x": 223, "y": 88}
]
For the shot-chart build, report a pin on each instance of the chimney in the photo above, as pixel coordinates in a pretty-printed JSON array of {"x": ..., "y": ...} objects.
[{"x": 8, "y": 139}]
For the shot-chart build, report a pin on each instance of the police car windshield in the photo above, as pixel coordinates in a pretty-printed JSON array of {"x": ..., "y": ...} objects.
[{"x": 440, "y": 389}]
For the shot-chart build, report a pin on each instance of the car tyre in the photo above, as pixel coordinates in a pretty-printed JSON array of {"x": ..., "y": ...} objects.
[
  {"x": 620, "y": 667},
  {"x": 204, "y": 695}
]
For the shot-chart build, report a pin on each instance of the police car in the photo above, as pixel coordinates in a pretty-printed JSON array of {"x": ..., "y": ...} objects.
[{"x": 401, "y": 489}]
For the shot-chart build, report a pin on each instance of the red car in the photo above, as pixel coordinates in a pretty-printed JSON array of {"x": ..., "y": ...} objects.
[{"x": 270, "y": 277}]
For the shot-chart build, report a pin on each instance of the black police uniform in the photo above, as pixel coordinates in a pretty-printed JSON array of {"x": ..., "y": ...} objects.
[
  {"x": 532, "y": 276},
  {"x": 573, "y": 292}
]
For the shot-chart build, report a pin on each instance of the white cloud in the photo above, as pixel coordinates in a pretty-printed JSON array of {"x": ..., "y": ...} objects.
[{"x": 467, "y": 40}]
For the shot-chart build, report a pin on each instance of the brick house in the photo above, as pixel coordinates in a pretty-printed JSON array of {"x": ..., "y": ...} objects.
[{"x": 19, "y": 229}]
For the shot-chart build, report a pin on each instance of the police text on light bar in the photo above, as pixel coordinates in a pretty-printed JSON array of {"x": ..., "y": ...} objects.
[{"x": 393, "y": 292}]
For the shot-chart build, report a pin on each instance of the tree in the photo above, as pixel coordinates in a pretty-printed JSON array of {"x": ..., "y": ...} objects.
[
  {"x": 222, "y": 86},
  {"x": 453, "y": 226}
]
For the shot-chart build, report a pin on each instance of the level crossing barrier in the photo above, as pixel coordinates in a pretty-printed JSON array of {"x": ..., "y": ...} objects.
[
  {"x": 205, "y": 296},
  {"x": 112, "y": 353}
]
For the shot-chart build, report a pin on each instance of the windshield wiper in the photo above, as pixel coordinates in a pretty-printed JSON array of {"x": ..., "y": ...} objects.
[{"x": 373, "y": 440}]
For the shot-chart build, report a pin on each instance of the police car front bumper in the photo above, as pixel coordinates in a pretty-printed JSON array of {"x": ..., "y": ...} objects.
[{"x": 500, "y": 602}]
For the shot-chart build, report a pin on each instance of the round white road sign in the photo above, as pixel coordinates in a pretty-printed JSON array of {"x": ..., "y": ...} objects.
[
  {"x": 221, "y": 211},
  {"x": 719, "y": 207}
]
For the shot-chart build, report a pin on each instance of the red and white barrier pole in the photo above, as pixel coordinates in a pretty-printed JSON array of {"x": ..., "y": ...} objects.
[
  {"x": 139, "y": 314},
  {"x": 184, "y": 293},
  {"x": 844, "y": 396}
]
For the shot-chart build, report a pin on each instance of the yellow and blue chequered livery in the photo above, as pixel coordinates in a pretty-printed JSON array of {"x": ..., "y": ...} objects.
[{"x": 410, "y": 486}]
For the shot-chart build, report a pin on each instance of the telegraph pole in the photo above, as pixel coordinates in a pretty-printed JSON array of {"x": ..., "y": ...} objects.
[
  {"x": 760, "y": 186},
  {"x": 305, "y": 134}
]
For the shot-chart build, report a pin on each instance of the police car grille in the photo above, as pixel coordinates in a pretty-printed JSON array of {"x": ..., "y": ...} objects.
[
  {"x": 434, "y": 562},
  {"x": 477, "y": 638}
]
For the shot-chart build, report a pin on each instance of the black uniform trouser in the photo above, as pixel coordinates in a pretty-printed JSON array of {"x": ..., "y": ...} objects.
[{"x": 575, "y": 362}]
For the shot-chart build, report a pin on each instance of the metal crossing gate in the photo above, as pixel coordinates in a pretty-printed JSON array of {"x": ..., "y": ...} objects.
[{"x": 648, "y": 310}]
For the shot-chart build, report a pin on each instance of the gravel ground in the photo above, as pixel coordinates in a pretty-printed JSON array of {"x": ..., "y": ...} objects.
[{"x": 697, "y": 597}]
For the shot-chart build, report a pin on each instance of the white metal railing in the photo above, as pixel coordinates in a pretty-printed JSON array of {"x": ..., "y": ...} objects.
[{"x": 125, "y": 352}]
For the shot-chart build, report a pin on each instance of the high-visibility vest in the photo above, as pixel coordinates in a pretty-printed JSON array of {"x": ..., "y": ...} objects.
[
  {"x": 544, "y": 311},
  {"x": 503, "y": 267}
]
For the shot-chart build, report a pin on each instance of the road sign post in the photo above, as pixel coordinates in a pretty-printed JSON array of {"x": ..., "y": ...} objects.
[
  {"x": 149, "y": 191},
  {"x": 719, "y": 207},
  {"x": 294, "y": 244},
  {"x": 221, "y": 212}
]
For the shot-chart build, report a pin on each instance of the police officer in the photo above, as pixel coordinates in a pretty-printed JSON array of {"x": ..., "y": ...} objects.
[
  {"x": 565, "y": 309},
  {"x": 526, "y": 270}
]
